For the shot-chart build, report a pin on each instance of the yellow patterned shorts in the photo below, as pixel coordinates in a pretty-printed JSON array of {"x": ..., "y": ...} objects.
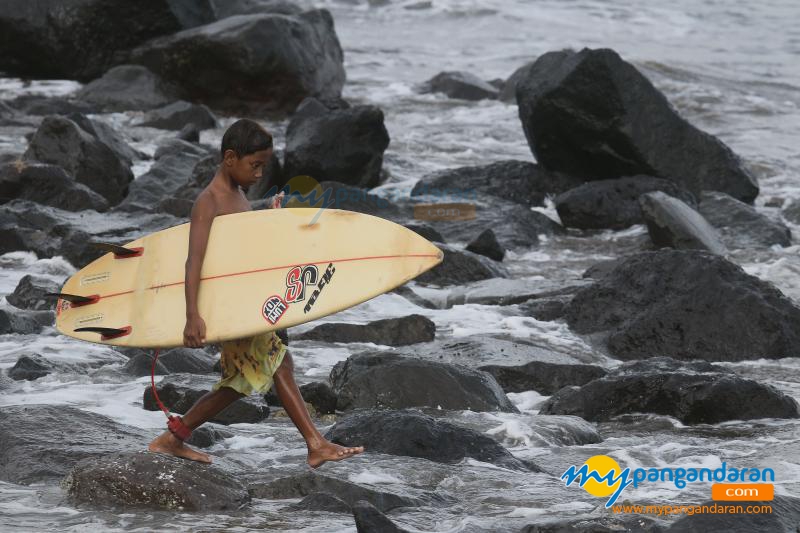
[{"x": 248, "y": 364}]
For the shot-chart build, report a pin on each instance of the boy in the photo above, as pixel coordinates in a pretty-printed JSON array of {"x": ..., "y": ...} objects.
[{"x": 246, "y": 150}]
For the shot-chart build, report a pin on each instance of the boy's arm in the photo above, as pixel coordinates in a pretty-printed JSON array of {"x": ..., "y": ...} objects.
[{"x": 202, "y": 216}]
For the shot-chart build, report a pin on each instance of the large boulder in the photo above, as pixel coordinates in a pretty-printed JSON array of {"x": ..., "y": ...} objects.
[
  {"x": 612, "y": 204},
  {"x": 81, "y": 39},
  {"x": 177, "y": 115},
  {"x": 739, "y": 224},
  {"x": 516, "y": 181},
  {"x": 166, "y": 178},
  {"x": 30, "y": 368},
  {"x": 344, "y": 145},
  {"x": 543, "y": 377},
  {"x": 671, "y": 223},
  {"x": 458, "y": 84},
  {"x": 308, "y": 483},
  {"x": 246, "y": 62},
  {"x": 30, "y": 293},
  {"x": 436, "y": 440},
  {"x": 514, "y": 225},
  {"x": 42, "y": 442},
  {"x": 686, "y": 305},
  {"x": 694, "y": 393},
  {"x": 48, "y": 185},
  {"x": 14, "y": 320},
  {"x": 387, "y": 380},
  {"x": 460, "y": 266},
  {"x": 60, "y": 141},
  {"x": 486, "y": 245},
  {"x": 591, "y": 113},
  {"x": 154, "y": 481},
  {"x": 179, "y": 392},
  {"x": 389, "y": 331},
  {"x": 127, "y": 88}
]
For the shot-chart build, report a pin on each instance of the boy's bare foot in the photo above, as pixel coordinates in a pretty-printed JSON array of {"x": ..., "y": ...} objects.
[
  {"x": 167, "y": 443},
  {"x": 328, "y": 451}
]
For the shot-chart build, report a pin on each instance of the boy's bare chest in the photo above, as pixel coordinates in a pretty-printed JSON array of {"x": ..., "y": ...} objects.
[{"x": 233, "y": 203}]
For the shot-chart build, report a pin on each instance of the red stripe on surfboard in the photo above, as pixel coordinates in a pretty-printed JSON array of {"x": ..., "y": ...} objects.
[{"x": 245, "y": 272}]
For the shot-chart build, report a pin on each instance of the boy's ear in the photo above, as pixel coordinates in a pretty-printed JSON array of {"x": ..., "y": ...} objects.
[{"x": 230, "y": 157}]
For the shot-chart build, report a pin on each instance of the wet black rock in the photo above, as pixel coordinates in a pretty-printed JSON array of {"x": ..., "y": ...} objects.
[
  {"x": 504, "y": 291},
  {"x": 546, "y": 309},
  {"x": 30, "y": 293},
  {"x": 273, "y": 61},
  {"x": 371, "y": 520},
  {"x": 169, "y": 175},
  {"x": 436, "y": 440},
  {"x": 344, "y": 145},
  {"x": 508, "y": 92},
  {"x": 178, "y": 114},
  {"x": 338, "y": 195},
  {"x": 207, "y": 435},
  {"x": 80, "y": 39},
  {"x": 514, "y": 225},
  {"x": 673, "y": 224},
  {"x": 687, "y": 305},
  {"x": 784, "y": 516},
  {"x": 390, "y": 331},
  {"x": 317, "y": 393},
  {"x": 739, "y": 224},
  {"x": 306, "y": 484},
  {"x": 29, "y": 368},
  {"x": 387, "y": 380},
  {"x": 426, "y": 231},
  {"x": 108, "y": 136},
  {"x": 460, "y": 266},
  {"x": 179, "y": 392},
  {"x": 693, "y": 393},
  {"x": 229, "y": 8},
  {"x": 142, "y": 365},
  {"x": 127, "y": 88},
  {"x": 612, "y": 204},
  {"x": 14, "y": 320},
  {"x": 60, "y": 141},
  {"x": 321, "y": 501},
  {"x": 516, "y": 181},
  {"x": 42, "y": 442},
  {"x": 188, "y": 360},
  {"x": 591, "y": 113},
  {"x": 48, "y": 185},
  {"x": 153, "y": 481},
  {"x": 486, "y": 245},
  {"x": 458, "y": 84},
  {"x": 792, "y": 212},
  {"x": 544, "y": 378}
]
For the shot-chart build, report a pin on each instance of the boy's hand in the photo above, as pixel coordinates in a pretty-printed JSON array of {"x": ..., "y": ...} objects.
[
  {"x": 277, "y": 200},
  {"x": 194, "y": 334}
]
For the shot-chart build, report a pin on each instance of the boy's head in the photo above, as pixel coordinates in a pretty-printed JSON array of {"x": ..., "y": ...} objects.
[{"x": 246, "y": 150}]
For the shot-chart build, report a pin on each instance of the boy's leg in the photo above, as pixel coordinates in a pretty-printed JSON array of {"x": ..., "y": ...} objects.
[
  {"x": 203, "y": 410},
  {"x": 319, "y": 448}
]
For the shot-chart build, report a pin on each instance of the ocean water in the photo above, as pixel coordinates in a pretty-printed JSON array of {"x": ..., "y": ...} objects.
[{"x": 729, "y": 67}]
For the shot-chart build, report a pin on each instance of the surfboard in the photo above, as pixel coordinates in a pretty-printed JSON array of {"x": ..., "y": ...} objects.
[{"x": 263, "y": 270}]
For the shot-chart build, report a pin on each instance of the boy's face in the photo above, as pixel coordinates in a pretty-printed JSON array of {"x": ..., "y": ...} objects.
[{"x": 247, "y": 170}]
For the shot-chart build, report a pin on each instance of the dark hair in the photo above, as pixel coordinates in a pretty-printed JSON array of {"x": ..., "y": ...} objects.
[{"x": 245, "y": 137}]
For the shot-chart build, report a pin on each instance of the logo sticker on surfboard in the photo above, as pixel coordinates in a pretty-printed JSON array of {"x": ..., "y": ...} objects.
[{"x": 274, "y": 308}]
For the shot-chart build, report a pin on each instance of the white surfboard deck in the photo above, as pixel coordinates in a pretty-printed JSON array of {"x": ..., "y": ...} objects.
[{"x": 263, "y": 270}]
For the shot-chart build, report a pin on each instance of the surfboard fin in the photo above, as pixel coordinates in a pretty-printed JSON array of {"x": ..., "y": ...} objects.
[
  {"x": 74, "y": 299},
  {"x": 107, "y": 333},
  {"x": 120, "y": 252}
]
